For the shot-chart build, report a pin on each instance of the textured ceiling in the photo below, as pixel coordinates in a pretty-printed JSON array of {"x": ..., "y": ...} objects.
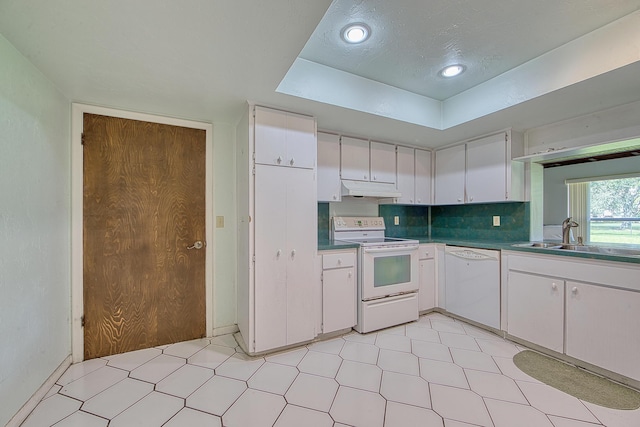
[{"x": 202, "y": 59}]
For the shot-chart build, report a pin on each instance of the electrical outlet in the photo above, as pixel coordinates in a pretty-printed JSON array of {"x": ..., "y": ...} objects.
[
  {"x": 219, "y": 222},
  {"x": 396, "y": 220},
  {"x": 496, "y": 221}
]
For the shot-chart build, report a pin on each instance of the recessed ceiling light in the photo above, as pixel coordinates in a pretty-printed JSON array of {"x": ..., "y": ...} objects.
[
  {"x": 355, "y": 33},
  {"x": 452, "y": 70}
]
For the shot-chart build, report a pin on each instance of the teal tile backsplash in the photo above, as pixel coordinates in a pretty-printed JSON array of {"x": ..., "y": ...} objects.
[
  {"x": 324, "y": 223},
  {"x": 414, "y": 220},
  {"x": 475, "y": 222}
]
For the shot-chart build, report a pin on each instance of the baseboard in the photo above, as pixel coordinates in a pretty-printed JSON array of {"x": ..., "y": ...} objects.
[
  {"x": 30, "y": 405},
  {"x": 224, "y": 330}
]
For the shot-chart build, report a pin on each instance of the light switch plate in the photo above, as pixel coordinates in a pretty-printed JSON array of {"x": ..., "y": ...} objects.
[
  {"x": 496, "y": 221},
  {"x": 219, "y": 222},
  {"x": 396, "y": 220}
]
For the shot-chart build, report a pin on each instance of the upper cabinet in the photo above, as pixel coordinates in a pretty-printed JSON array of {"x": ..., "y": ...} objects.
[
  {"x": 365, "y": 161},
  {"x": 480, "y": 171},
  {"x": 328, "y": 167},
  {"x": 413, "y": 176},
  {"x": 284, "y": 139}
]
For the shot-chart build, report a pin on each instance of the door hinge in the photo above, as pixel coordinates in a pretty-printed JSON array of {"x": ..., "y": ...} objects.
[
  {"x": 506, "y": 137},
  {"x": 82, "y": 139},
  {"x": 82, "y": 321},
  {"x": 253, "y": 171},
  {"x": 253, "y": 259}
]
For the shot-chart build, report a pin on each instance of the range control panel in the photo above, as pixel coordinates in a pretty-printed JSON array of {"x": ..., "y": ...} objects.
[{"x": 351, "y": 223}]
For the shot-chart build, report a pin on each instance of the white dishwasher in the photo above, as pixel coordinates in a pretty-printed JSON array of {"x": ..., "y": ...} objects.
[{"x": 473, "y": 284}]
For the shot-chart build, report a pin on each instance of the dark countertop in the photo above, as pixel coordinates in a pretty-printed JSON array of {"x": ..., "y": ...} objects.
[{"x": 501, "y": 246}]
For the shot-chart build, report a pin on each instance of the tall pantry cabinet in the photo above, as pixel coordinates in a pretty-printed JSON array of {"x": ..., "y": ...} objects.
[{"x": 277, "y": 235}]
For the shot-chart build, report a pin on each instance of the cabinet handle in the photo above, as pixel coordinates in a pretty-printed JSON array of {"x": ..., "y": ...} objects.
[
  {"x": 410, "y": 200},
  {"x": 293, "y": 253},
  {"x": 279, "y": 160},
  {"x": 574, "y": 290},
  {"x": 365, "y": 177},
  {"x": 339, "y": 261},
  {"x": 471, "y": 199},
  {"x": 375, "y": 178},
  {"x": 292, "y": 161},
  {"x": 554, "y": 286},
  {"x": 419, "y": 200},
  {"x": 278, "y": 253},
  {"x": 335, "y": 197},
  {"x": 459, "y": 200},
  {"x": 350, "y": 275}
]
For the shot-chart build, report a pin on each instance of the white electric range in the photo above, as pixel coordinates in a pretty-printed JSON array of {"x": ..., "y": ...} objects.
[{"x": 387, "y": 272}]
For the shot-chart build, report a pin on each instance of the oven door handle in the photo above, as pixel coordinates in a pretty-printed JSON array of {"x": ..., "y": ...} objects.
[{"x": 407, "y": 248}]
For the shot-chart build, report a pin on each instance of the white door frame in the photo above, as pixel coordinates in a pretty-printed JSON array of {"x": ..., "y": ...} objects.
[{"x": 77, "y": 194}]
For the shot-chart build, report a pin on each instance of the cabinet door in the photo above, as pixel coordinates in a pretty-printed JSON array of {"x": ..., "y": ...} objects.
[
  {"x": 406, "y": 175},
  {"x": 427, "y": 279},
  {"x": 383, "y": 162},
  {"x": 423, "y": 177},
  {"x": 535, "y": 309},
  {"x": 602, "y": 327},
  {"x": 270, "y": 295},
  {"x": 338, "y": 299},
  {"x": 487, "y": 169},
  {"x": 328, "y": 168},
  {"x": 450, "y": 165},
  {"x": 354, "y": 159},
  {"x": 301, "y": 141},
  {"x": 301, "y": 244},
  {"x": 270, "y": 136}
]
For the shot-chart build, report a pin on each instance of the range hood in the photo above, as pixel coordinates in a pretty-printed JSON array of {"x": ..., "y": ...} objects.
[{"x": 369, "y": 189}]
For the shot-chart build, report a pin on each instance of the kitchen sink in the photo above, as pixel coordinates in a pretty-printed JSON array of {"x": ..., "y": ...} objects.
[
  {"x": 594, "y": 249},
  {"x": 542, "y": 245}
]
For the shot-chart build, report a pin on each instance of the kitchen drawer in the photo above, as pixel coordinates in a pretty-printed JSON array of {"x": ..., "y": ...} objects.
[
  {"x": 426, "y": 251},
  {"x": 338, "y": 260}
]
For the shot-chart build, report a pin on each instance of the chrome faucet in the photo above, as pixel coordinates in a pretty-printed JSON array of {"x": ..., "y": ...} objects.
[{"x": 566, "y": 229}]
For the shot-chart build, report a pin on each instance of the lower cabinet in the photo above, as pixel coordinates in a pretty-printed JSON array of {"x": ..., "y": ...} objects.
[
  {"x": 536, "y": 309},
  {"x": 339, "y": 292},
  {"x": 427, "y": 277}
]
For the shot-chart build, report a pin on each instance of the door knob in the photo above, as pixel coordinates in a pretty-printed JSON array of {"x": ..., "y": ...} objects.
[
  {"x": 279, "y": 160},
  {"x": 196, "y": 245},
  {"x": 292, "y": 161}
]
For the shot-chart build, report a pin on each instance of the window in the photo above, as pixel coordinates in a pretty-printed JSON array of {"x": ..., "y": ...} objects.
[{"x": 607, "y": 209}]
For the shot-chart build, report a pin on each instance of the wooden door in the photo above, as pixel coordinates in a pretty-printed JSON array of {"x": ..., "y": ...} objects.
[{"x": 144, "y": 204}]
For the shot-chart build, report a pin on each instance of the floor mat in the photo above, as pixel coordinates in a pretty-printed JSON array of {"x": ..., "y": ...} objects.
[{"x": 577, "y": 382}]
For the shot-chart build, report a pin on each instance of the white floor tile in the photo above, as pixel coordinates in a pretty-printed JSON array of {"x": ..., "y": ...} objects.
[
  {"x": 156, "y": 369},
  {"x": 474, "y": 360},
  {"x": 93, "y": 383},
  {"x": 360, "y": 352},
  {"x": 216, "y": 395},
  {"x": 116, "y": 399},
  {"x": 184, "y": 381},
  {"x": 273, "y": 377},
  {"x": 225, "y": 340},
  {"x": 369, "y": 338},
  {"x": 153, "y": 410},
  {"x": 289, "y": 357},
  {"x": 394, "y": 342},
  {"x": 211, "y": 356},
  {"x": 332, "y": 346},
  {"x": 191, "y": 418},
  {"x": 447, "y": 326},
  {"x": 504, "y": 414},
  {"x": 240, "y": 366},
  {"x": 508, "y": 368},
  {"x": 398, "y": 361},
  {"x": 53, "y": 390},
  {"x": 133, "y": 359},
  {"x": 359, "y": 375},
  {"x": 296, "y": 416},
  {"x": 438, "y": 317},
  {"x": 423, "y": 322},
  {"x": 461, "y": 405},
  {"x": 459, "y": 341},
  {"x": 50, "y": 411},
  {"x": 419, "y": 332},
  {"x": 400, "y": 415},
  {"x": 358, "y": 408},
  {"x": 82, "y": 419},
  {"x": 497, "y": 348},
  {"x": 186, "y": 349},
  {"x": 81, "y": 369},
  {"x": 322, "y": 364},
  {"x": 613, "y": 418},
  {"x": 313, "y": 392},
  {"x": 407, "y": 389},
  {"x": 454, "y": 423},
  {"x": 431, "y": 350},
  {"x": 554, "y": 402},
  {"x": 394, "y": 330},
  {"x": 254, "y": 408},
  {"x": 443, "y": 373},
  {"x": 567, "y": 422},
  {"x": 495, "y": 386},
  {"x": 477, "y": 332}
]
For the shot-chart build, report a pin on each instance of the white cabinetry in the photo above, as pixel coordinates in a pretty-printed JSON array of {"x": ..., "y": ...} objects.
[
  {"x": 536, "y": 309},
  {"x": 427, "y": 277},
  {"x": 383, "y": 162},
  {"x": 354, "y": 161},
  {"x": 413, "y": 176},
  {"x": 277, "y": 235},
  {"x": 480, "y": 171},
  {"x": 602, "y": 327},
  {"x": 328, "y": 168},
  {"x": 338, "y": 290}
]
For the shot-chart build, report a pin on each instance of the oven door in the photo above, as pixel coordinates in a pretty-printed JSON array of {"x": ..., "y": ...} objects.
[{"x": 389, "y": 270}]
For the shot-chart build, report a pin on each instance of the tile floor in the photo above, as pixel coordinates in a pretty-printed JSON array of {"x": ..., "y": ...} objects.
[{"x": 433, "y": 372}]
